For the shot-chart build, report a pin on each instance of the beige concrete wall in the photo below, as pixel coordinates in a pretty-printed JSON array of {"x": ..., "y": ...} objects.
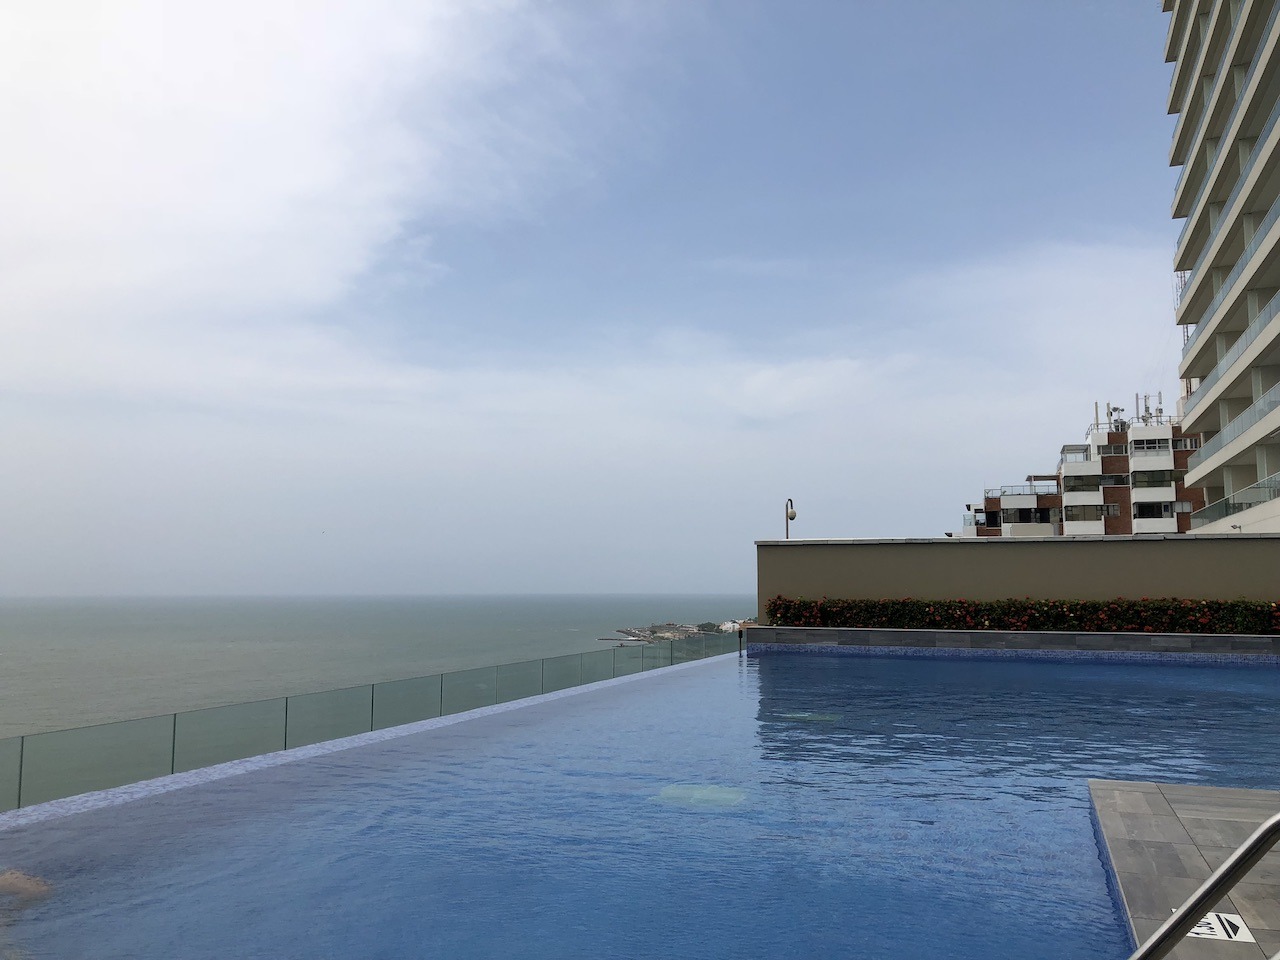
[{"x": 996, "y": 568}]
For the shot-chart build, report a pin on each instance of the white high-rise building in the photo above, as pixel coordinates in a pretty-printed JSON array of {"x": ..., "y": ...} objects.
[{"x": 1226, "y": 94}]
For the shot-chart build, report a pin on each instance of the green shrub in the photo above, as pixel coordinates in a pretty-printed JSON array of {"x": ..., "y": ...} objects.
[{"x": 1163, "y": 615}]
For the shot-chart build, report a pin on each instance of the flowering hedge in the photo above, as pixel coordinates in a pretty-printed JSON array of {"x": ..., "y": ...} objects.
[{"x": 1164, "y": 615}]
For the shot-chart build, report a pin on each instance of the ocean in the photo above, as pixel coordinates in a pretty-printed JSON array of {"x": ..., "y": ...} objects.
[{"x": 68, "y": 663}]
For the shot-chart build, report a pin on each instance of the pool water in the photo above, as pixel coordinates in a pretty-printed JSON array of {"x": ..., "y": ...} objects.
[{"x": 781, "y": 806}]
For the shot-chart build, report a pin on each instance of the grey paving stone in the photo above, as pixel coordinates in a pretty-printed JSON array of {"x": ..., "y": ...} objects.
[
  {"x": 1217, "y": 833},
  {"x": 1152, "y": 857},
  {"x": 1142, "y": 786},
  {"x": 1252, "y": 810},
  {"x": 1171, "y": 790},
  {"x": 1268, "y": 940},
  {"x": 1135, "y": 826},
  {"x": 1156, "y": 897},
  {"x": 1198, "y": 949},
  {"x": 1266, "y": 871},
  {"x": 1258, "y": 904},
  {"x": 1133, "y": 801}
]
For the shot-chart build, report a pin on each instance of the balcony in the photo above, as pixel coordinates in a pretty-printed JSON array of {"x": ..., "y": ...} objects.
[
  {"x": 1249, "y": 336},
  {"x": 1232, "y": 278},
  {"x": 1268, "y": 402},
  {"x": 1263, "y": 491},
  {"x": 1218, "y": 165}
]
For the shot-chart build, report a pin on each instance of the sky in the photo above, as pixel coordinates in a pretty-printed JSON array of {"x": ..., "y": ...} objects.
[{"x": 563, "y": 296}]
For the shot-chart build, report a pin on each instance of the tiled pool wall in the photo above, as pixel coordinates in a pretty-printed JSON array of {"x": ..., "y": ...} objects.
[{"x": 1197, "y": 649}]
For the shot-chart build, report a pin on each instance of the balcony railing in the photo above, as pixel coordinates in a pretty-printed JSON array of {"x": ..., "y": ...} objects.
[
  {"x": 1256, "y": 411},
  {"x": 1251, "y": 332},
  {"x": 1261, "y": 492},
  {"x": 1227, "y": 204},
  {"x": 1250, "y": 249},
  {"x": 1021, "y": 490}
]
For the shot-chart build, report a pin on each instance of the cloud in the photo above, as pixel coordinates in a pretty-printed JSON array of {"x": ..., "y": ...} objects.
[
  {"x": 190, "y": 191},
  {"x": 186, "y": 162}
]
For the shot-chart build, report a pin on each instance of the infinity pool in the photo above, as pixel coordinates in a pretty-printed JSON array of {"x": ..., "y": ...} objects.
[{"x": 782, "y": 806}]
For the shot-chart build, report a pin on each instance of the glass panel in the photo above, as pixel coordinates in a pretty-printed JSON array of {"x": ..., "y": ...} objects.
[
  {"x": 316, "y": 717},
  {"x": 202, "y": 738},
  {"x": 10, "y": 768},
  {"x": 657, "y": 655},
  {"x": 518, "y": 680},
  {"x": 627, "y": 660},
  {"x": 468, "y": 689},
  {"x": 597, "y": 665},
  {"x": 688, "y": 648},
  {"x": 68, "y": 762},
  {"x": 559, "y": 673},
  {"x": 405, "y": 701}
]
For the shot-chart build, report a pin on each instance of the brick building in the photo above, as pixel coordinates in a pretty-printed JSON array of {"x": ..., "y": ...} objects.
[{"x": 1126, "y": 478}]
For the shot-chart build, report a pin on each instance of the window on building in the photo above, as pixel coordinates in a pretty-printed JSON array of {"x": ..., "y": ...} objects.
[
  {"x": 1072, "y": 484},
  {"x": 1155, "y": 478},
  {"x": 1182, "y": 506},
  {"x": 1029, "y": 515},
  {"x": 1148, "y": 448},
  {"x": 1113, "y": 450},
  {"x": 1186, "y": 443},
  {"x": 1080, "y": 512},
  {"x": 1083, "y": 512},
  {"x": 1114, "y": 480},
  {"x": 1152, "y": 511}
]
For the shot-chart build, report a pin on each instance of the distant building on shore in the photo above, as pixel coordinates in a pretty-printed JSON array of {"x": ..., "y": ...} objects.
[{"x": 1126, "y": 478}]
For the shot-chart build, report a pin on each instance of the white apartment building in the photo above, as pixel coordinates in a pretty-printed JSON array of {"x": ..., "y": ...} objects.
[
  {"x": 1225, "y": 92},
  {"x": 1125, "y": 479}
]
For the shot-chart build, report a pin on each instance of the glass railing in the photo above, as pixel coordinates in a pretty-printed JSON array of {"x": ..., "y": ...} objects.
[
  {"x": 1263, "y": 491},
  {"x": 1256, "y": 411},
  {"x": 1238, "y": 348},
  {"x": 64, "y": 763},
  {"x": 1021, "y": 490},
  {"x": 1268, "y": 126},
  {"x": 1224, "y": 78},
  {"x": 1250, "y": 249},
  {"x": 1230, "y": 202},
  {"x": 1227, "y": 204}
]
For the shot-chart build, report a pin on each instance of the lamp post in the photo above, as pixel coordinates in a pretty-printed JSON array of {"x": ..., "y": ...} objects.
[{"x": 791, "y": 515}]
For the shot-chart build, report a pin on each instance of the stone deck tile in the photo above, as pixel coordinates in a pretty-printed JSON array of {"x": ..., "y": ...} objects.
[{"x": 1163, "y": 840}]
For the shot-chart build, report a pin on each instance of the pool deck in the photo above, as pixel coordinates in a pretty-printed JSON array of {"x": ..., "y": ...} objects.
[{"x": 1164, "y": 839}]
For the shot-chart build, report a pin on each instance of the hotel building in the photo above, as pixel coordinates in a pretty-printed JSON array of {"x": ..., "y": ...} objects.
[{"x": 1225, "y": 92}]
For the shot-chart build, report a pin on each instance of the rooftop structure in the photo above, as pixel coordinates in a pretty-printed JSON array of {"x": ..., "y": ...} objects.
[{"x": 1225, "y": 92}]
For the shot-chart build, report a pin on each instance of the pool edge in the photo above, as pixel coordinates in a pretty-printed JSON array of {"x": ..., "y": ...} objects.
[{"x": 128, "y": 793}]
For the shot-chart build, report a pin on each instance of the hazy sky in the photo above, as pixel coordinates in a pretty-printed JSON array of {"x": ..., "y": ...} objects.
[{"x": 407, "y": 296}]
